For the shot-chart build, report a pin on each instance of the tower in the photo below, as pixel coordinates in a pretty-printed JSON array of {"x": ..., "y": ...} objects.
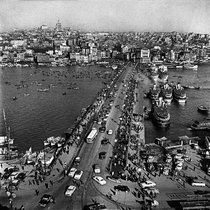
[{"x": 58, "y": 26}]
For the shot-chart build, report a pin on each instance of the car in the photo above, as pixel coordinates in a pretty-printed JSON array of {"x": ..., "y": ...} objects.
[
  {"x": 152, "y": 190},
  {"x": 70, "y": 190},
  {"x": 99, "y": 180},
  {"x": 104, "y": 141},
  {"x": 97, "y": 169},
  {"x": 102, "y": 129},
  {"x": 45, "y": 199},
  {"x": 95, "y": 206},
  {"x": 148, "y": 183},
  {"x": 77, "y": 160},
  {"x": 102, "y": 155},
  {"x": 110, "y": 132},
  {"x": 78, "y": 175},
  {"x": 72, "y": 172},
  {"x": 113, "y": 179},
  {"x": 123, "y": 188},
  {"x": 155, "y": 203}
]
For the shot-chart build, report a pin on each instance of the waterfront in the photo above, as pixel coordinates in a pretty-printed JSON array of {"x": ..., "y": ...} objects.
[
  {"x": 182, "y": 116},
  {"x": 34, "y": 116}
]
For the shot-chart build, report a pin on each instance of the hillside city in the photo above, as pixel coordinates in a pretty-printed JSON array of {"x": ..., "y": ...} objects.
[{"x": 60, "y": 46}]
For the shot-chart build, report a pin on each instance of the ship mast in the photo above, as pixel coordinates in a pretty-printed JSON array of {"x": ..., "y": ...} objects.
[{"x": 7, "y": 135}]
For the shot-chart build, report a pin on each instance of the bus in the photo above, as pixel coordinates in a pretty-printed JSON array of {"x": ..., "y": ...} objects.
[
  {"x": 198, "y": 184},
  {"x": 92, "y": 135}
]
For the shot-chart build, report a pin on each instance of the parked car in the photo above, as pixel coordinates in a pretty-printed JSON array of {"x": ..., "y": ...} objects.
[
  {"x": 70, "y": 190},
  {"x": 45, "y": 199},
  {"x": 110, "y": 132},
  {"x": 102, "y": 129},
  {"x": 104, "y": 141},
  {"x": 148, "y": 183},
  {"x": 72, "y": 172},
  {"x": 97, "y": 169},
  {"x": 99, "y": 180},
  {"x": 113, "y": 179},
  {"x": 123, "y": 188},
  {"x": 78, "y": 175},
  {"x": 102, "y": 155},
  {"x": 77, "y": 160}
]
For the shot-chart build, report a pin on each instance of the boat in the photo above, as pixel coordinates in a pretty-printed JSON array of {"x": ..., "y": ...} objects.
[
  {"x": 203, "y": 125},
  {"x": 114, "y": 67},
  {"x": 43, "y": 90},
  {"x": 203, "y": 109},
  {"x": 179, "y": 93},
  {"x": 154, "y": 92},
  {"x": 166, "y": 92},
  {"x": 8, "y": 150},
  {"x": 189, "y": 66},
  {"x": 162, "y": 77},
  {"x": 207, "y": 142},
  {"x": 160, "y": 114},
  {"x": 179, "y": 67}
]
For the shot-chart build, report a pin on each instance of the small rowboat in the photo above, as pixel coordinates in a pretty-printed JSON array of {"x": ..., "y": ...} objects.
[{"x": 203, "y": 109}]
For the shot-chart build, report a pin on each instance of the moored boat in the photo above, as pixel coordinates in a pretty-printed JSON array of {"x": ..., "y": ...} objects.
[
  {"x": 8, "y": 151},
  {"x": 203, "y": 109},
  {"x": 179, "y": 93},
  {"x": 203, "y": 125},
  {"x": 154, "y": 92},
  {"x": 166, "y": 92},
  {"x": 189, "y": 66},
  {"x": 160, "y": 114}
]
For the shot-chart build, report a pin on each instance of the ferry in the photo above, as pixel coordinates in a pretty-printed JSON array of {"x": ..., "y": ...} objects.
[
  {"x": 203, "y": 125},
  {"x": 179, "y": 93},
  {"x": 189, "y": 66},
  {"x": 166, "y": 92},
  {"x": 203, "y": 109},
  {"x": 162, "y": 77},
  {"x": 160, "y": 114},
  {"x": 154, "y": 92}
]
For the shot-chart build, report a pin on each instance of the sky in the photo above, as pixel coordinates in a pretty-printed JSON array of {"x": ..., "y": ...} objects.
[{"x": 108, "y": 15}]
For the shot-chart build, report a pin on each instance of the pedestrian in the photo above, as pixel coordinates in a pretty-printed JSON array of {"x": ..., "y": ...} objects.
[
  {"x": 29, "y": 182},
  {"x": 51, "y": 182},
  {"x": 33, "y": 181},
  {"x": 46, "y": 185},
  {"x": 37, "y": 192}
]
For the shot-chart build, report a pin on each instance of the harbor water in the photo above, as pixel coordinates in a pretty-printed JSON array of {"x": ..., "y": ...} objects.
[
  {"x": 182, "y": 116},
  {"x": 45, "y": 101}
]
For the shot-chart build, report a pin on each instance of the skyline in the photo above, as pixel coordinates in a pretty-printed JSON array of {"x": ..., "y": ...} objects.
[{"x": 108, "y": 15}]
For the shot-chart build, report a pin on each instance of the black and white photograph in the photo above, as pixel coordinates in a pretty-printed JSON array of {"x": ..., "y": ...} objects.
[{"x": 104, "y": 104}]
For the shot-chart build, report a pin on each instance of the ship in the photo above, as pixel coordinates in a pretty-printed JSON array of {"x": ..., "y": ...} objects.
[
  {"x": 203, "y": 109},
  {"x": 179, "y": 93},
  {"x": 160, "y": 114},
  {"x": 203, "y": 125},
  {"x": 166, "y": 92},
  {"x": 162, "y": 77},
  {"x": 8, "y": 150},
  {"x": 189, "y": 66},
  {"x": 154, "y": 92}
]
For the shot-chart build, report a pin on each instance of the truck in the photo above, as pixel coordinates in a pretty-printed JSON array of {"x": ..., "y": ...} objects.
[{"x": 92, "y": 135}]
